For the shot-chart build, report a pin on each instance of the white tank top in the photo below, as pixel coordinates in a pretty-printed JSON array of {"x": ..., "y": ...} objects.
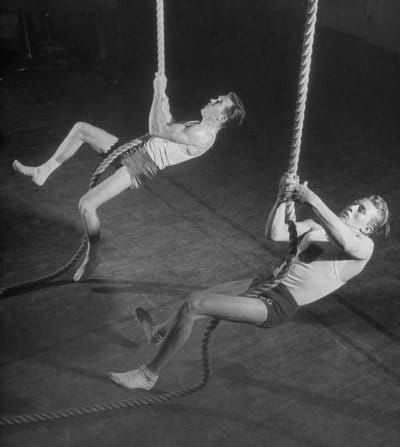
[
  {"x": 167, "y": 153},
  {"x": 315, "y": 270}
]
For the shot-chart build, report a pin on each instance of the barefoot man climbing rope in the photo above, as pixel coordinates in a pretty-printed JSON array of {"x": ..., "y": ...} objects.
[
  {"x": 332, "y": 249},
  {"x": 169, "y": 143}
]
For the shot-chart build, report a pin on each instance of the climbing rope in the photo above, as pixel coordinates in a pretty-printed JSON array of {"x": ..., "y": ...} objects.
[
  {"x": 295, "y": 148},
  {"x": 311, "y": 14},
  {"x": 32, "y": 284},
  {"x": 160, "y": 37},
  {"x": 140, "y": 402},
  {"x": 301, "y": 102}
]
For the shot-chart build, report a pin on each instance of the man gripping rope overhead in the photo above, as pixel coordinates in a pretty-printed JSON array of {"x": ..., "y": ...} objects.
[
  {"x": 169, "y": 143},
  {"x": 332, "y": 249}
]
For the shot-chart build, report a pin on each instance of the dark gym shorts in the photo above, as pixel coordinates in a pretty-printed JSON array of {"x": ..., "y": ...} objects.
[
  {"x": 280, "y": 304},
  {"x": 137, "y": 161}
]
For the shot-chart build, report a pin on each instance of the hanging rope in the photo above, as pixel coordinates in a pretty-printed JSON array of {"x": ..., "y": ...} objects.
[
  {"x": 294, "y": 156},
  {"x": 30, "y": 285},
  {"x": 160, "y": 37},
  {"x": 301, "y": 102},
  {"x": 293, "y": 165}
]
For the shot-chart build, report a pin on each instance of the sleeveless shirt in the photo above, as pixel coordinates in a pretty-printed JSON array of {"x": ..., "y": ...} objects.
[
  {"x": 315, "y": 269},
  {"x": 167, "y": 153}
]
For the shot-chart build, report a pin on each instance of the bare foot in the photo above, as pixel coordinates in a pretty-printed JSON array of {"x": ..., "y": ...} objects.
[
  {"x": 36, "y": 174},
  {"x": 141, "y": 379},
  {"x": 145, "y": 321}
]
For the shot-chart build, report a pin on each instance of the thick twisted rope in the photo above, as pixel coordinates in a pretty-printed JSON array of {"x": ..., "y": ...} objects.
[
  {"x": 294, "y": 156},
  {"x": 302, "y": 89},
  {"x": 293, "y": 166},
  {"x": 302, "y": 93},
  {"x": 140, "y": 402},
  {"x": 30, "y": 285},
  {"x": 160, "y": 37}
]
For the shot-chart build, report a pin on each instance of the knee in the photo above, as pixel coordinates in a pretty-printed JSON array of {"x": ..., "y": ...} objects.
[
  {"x": 192, "y": 306},
  {"x": 80, "y": 127},
  {"x": 85, "y": 205}
]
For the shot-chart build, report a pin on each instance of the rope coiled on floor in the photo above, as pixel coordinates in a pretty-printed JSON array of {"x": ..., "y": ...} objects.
[
  {"x": 108, "y": 406},
  {"x": 32, "y": 284}
]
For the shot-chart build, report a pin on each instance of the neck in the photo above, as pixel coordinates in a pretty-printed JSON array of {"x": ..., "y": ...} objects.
[{"x": 211, "y": 124}]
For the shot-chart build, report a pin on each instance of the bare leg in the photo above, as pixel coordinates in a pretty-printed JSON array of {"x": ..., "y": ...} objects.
[
  {"x": 100, "y": 140},
  {"x": 155, "y": 333},
  {"x": 109, "y": 188},
  {"x": 199, "y": 306}
]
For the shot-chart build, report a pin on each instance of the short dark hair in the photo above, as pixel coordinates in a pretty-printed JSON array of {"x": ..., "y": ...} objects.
[
  {"x": 236, "y": 112},
  {"x": 380, "y": 224}
]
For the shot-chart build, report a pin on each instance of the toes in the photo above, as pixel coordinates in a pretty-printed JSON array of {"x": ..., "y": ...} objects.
[{"x": 114, "y": 377}]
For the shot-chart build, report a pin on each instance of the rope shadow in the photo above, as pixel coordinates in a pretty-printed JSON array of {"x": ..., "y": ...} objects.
[{"x": 121, "y": 286}]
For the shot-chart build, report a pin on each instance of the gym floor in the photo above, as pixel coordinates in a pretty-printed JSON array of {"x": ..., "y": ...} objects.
[{"x": 331, "y": 376}]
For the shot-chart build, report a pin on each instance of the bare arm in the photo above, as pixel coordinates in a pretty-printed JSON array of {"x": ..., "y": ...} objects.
[
  {"x": 160, "y": 114},
  {"x": 162, "y": 125},
  {"x": 356, "y": 247},
  {"x": 276, "y": 228}
]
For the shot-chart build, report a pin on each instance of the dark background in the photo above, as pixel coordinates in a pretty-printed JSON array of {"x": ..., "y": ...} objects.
[{"x": 328, "y": 378}]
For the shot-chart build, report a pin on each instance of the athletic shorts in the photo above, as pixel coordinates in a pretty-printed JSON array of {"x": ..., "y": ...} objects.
[
  {"x": 137, "y": 161},
  {"x": 280, "y": 304}
]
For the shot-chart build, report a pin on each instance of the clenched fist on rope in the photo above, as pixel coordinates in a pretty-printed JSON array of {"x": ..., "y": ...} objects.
[{"x": 287, "y": 183}]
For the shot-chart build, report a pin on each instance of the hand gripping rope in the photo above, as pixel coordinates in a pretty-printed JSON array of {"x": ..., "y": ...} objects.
[
  {"x": 302, "y": 91},
  {"x": 312, "y": 8}
]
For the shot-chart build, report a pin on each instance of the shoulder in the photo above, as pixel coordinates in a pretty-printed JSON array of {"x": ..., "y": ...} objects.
[
  {"x": 368, "y": 246},
  {"x": 199, "y": 135},
  {"x": 359, "y": 248}
]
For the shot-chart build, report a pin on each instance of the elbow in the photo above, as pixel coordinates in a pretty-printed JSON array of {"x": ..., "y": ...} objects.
[
  {"x": 156, "y": 131},
  {"x": 274, "y": 236},
  {"x": 278, "y": 239},
  {"x": 162, "y": 131}
]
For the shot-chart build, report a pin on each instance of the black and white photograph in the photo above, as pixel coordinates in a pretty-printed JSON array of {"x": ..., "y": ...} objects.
[{"x": 199, "y": 240}]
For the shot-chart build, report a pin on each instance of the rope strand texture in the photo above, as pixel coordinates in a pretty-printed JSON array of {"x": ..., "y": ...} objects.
[
  {"x": 302, "y": 93},
  {"x": 30, "y": 285},
  {"x": 160, "y": 37},
  {"x": 293, "y": 166},
  {"x": 140, "y": 402}
]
